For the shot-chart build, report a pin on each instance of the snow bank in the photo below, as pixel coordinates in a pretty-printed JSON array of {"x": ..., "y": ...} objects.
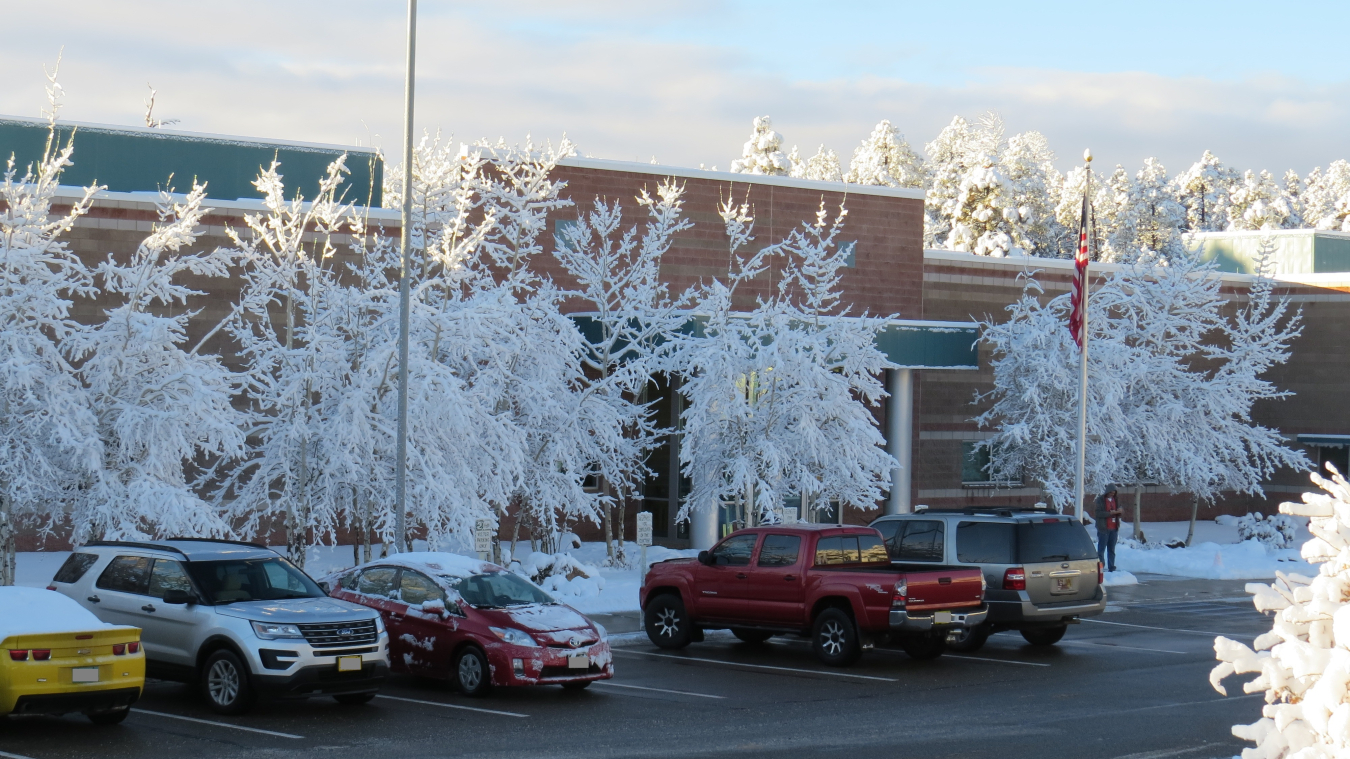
[
  {"x": 1113, "y": 579},
  {"x": 31, "y": 611},
  {"x": 1248, "y": 560}
]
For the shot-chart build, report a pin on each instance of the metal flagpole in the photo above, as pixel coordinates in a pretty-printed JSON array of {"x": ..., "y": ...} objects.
[
  {"x": 1078, "y": 486},
  {"x": 405, "y": 233}
]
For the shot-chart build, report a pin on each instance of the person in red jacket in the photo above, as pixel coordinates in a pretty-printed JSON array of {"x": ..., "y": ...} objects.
[{"x": 1108, "y": 526}]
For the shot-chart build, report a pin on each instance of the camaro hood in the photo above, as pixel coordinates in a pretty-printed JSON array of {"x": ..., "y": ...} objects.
[
  {"x": 537, "y": 618},
  {"x": 296, "y": 610}
]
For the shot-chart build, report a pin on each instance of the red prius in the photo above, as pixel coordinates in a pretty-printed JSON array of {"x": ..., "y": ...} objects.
[{"x": 475, "y": 624}]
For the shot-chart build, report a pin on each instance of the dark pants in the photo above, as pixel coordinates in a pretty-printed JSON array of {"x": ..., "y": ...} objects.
[{"x": 1106, "y": 547}]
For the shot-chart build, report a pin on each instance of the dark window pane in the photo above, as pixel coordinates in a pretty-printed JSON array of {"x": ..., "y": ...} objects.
[
  {"x": 496, "y": 590},
  {"x": 889, "y": 530},
  {"x": 377, "y": 581},
  {"x": 75, "y": 567},
  {"x": 922, "y": 541},
  {"x": 984, "y": 543},
  {"x": 223, "y": 582},
  {"x": 848, "y": 548},
  {"x": 827, "y": 552},
  {"x": 1053, "y": 541},
  {"x": 416, "y": 589},
  {"x": 780, "y": 550},
  {"x": 974, "y": 463},
  {"x": 735, "y": 551},
  {"x": 128, "y": 574},
  {"x": 168, "y": 575},
  {"x": 873, "y": 550}
]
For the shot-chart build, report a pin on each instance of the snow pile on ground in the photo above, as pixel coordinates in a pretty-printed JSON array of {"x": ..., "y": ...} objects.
[
  {"x": 30, "y": 611},
  {"x": 561, "y": 575},
  {"x": 1113, "y": 579},
  {"x": 1248, "y": 560},
  {"x": 1304, "y": 661},
  {"x": 1276, "y": 530}
]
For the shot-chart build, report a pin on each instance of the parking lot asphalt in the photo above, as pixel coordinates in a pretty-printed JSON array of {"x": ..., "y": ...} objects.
[{"x": 1129, "y": 684}]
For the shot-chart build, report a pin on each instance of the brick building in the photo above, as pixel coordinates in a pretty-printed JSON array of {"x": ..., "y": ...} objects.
[{"x": 934, "y": 296}]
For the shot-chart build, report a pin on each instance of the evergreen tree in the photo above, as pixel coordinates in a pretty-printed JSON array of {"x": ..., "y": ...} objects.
[
  {"x": 762, "y": 153},
  {"x": 1158, "y": 217},
  {"x": 886, "y": 159},
  {"x": 1203, "y": 190},
  {"x": 822, "y": 167}
]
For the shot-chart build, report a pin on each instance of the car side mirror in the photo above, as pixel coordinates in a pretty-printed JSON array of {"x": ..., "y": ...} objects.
[
  {"x": 326, "y": 588},
  {"x": 178, "y": 596},
  {"x": 705, "y": 558}
]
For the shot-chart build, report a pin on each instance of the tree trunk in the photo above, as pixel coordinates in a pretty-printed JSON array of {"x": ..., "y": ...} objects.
[
  {"x": 515, "y": 534},
  {"x": 365, "y": 527},
  {"x": 607, "y": 518},
  {"x": 751, "y": 513},
  {"x": 622, "y": 502},
  {"x": 1195, "y": 507},
  {"x": 299, "y": 513},
  {"x": 1138, "y": 499},
  {"x": 8, "y": 554}
]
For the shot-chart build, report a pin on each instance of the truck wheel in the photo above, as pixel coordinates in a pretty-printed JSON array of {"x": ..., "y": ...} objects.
[
  {"x": 472, "y": 675},
  {"x": 969, "y": 639},
  {"x": 109, "y": 717},
  {"x": 666, "y": 621},
  {"x": 1045, "y": 636},
  {"x": 835, "y": 638},
  {"x": 923, "y": 647},
  {"x": 751, "y": 636},
  {"x": 225, "y": 683}
]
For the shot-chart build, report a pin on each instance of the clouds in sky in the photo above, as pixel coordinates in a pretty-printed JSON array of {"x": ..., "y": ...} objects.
[{"x": 681, "y": 84}]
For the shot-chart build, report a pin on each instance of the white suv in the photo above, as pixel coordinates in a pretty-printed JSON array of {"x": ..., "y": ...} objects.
[{"x": 236, "y": 618}]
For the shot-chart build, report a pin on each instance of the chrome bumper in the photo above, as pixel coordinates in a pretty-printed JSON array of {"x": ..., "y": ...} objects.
[{"x": 904, "y": 621}]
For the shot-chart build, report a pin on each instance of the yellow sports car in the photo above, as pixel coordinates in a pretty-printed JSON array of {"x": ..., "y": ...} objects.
[{"x": 56, "y": 658}]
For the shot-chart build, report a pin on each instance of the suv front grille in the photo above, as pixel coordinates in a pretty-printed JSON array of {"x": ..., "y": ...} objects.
[{"x": 336, "y": 634}]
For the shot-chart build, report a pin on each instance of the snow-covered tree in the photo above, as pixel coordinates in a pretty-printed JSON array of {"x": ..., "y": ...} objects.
[
  {"x": 886, "y": 159},
  {"x": 1116, "y": 217},
  {"x": 161, "y": 408},
  {"x": 951, "y": 156},
  {"x": 48, "y": 435},
  {"x": 822, "y": 167},
  {"x": 1327, "y": 204},
  {"x": 1171, "y": 385},
  {"x": 1292, "y": 195},
  {"x": 1158, "y": 217},
  {"x": 618, "y": 274},
  {"x": 1032, "y": 183},
  {"x": 1257, "y": 203},
  {"x": 1203, "y": 191},
  {"x": 762, "y": 153},
  {"x": 1303, "y": 663},
  {"x": 776, "y": 398}
]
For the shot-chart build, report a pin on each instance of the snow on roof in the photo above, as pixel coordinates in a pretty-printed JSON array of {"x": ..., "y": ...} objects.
[
  {"x": 30, "y": 611},
  {"x": 445, "y": 564}
]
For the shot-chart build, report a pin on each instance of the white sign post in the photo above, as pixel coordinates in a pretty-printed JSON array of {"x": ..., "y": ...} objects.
[
  {"x": 482, "y": 538},
  {"x": 644, "y": 538},
  {"x": 787, "y": 515}
]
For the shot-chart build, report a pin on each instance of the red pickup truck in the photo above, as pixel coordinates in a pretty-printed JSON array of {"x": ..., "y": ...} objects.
[{"x": 833, "y": 583}]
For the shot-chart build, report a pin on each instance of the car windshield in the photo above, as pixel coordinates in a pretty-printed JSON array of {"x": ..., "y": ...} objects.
[
  {"x": 497, "y": 590},
  {"x": 268, "y": 579},
  {"x": 1053, "y": 541}
]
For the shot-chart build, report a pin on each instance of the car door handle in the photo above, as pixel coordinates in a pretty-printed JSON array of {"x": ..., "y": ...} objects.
[
  {"x": 148, "y": 607},
  {"x": 740, "y": 575},
  {"x": 789, "y": 577},
  {"x": 94, "y": 599}
]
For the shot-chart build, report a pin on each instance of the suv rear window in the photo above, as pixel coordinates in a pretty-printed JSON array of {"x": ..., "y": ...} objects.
[
  {"x": 1053, "y": 541},
  {"x": 984, "y": 543},
  {"x": 75, "y": 567}
]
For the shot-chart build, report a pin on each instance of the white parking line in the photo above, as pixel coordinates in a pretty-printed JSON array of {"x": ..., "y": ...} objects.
[
  {"x": 453, "y": 706},
  {"x": 1151, "y": 627},
  {"x": 218, "y": 724},
  {"x": 658, "y": 690},
  {"x": 996, "y": 661},
  {"x": 1113, "y": 645},
  {"x": 760, "y": 666},
  {"x": 14, "y": 756},
  {"x": 1166, "y": 753}
]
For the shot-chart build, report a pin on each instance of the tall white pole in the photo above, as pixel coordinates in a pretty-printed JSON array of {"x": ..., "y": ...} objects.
[
  {"x": 405, "y": 233},
  {"x": 1078, "y": 487},
  {"x": 900, "y": 437}
]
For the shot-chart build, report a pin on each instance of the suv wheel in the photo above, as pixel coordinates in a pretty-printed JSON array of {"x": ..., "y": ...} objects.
[
  {"x": 835, "y": 638},
  {"x": 1045, "y": 636},
  {"x": 472, "y": 674},
  {"x": 225, "y": 683},
  {"x": 923, "y": 647},
  {"x": 969, "y": 639},
  {"x": 666, "y": 621}
]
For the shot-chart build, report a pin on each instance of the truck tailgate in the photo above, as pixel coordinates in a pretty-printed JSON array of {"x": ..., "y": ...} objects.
[{"x": 953, "y": 588}]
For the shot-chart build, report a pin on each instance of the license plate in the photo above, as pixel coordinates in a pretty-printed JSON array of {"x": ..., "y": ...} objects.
[
  {"x": 580, "y": 661},
  {"x": 84, "y": 675},
  {"x": 349, "y": 664},
  {"x": 942, "y": 618},
  {"x": 1063, "y": 584}
]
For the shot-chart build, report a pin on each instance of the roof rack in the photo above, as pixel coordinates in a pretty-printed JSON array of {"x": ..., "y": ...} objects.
[
  {"x": 1003, "y": 511},
  {"x": 222, "y": 540},
  {"x": 133, "y": 544}
]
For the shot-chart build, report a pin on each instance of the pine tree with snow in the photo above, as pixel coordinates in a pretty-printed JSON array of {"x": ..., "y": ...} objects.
[
  {"x": 1257, "y": 203},
  {"x": 49, "y": 442},
  {"x": 822, "y": 167},
  {"x": 762, "y": 153},
  {"x": 1328, "y": 197},
  {"x": 886, "y": 159},
  {"x": 1292, "y": 197},
  {"x": 1203, "y": 190},
  {"x": 1115, "y": 217},
  {"x": 162, "y": 409},
  {"x": 1028, "y": 165},
  {"x": 1303, "y": 663},
  {"x": 1158, "y": 217},
  {"x": 951, "y": 156}
]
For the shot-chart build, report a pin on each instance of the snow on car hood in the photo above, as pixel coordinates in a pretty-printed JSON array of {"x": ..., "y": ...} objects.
[
  {"x": 540, "y": 617},
  {"x": 296, "y": 610}
]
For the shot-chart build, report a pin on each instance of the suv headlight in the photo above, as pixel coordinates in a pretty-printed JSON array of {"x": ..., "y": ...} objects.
[
  {"x": 379, "y": 624},
  {"x": 271, "y": 631},
  {"x": 514, "y": 637}
]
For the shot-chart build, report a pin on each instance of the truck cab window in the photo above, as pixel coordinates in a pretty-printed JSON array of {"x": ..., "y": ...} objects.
[
  {"x": 780, "y": 550},
  {"x": 735, "y": 551}
]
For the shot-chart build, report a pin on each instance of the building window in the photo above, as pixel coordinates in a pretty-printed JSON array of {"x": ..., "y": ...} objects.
[
  {"x": 975, "y": 468},
  {"x": 850, "y": 250},
  {"x": 562, "y": 231}
]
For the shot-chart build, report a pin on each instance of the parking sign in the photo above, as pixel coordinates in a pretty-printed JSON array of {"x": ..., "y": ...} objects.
[
  {"x": 644, "y": 528},
  {"x": 482, "y": 536}
]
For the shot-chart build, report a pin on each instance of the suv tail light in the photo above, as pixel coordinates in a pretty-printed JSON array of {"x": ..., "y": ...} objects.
[
  {"x": 51, "y": 587},
  {"x": 18, "y": 655},
  {"x": 1101, "y": 578},
  {"x": 133, "y": 647},
  {"x": 119, "y": 649},
  {"x": 901, "y": 595},
  {"x": 1015, "y": 579},
  {"x": 42, "y": 654}
]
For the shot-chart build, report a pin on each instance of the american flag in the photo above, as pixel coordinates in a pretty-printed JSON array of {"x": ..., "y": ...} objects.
[{"x": 1080, "y": 261}]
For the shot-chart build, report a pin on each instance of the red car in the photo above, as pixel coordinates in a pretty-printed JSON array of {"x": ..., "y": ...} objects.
[{"x": 475, "y": 623}]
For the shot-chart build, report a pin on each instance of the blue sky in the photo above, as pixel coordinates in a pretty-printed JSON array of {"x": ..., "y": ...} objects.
[{"x": 1261, "y": 85}]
